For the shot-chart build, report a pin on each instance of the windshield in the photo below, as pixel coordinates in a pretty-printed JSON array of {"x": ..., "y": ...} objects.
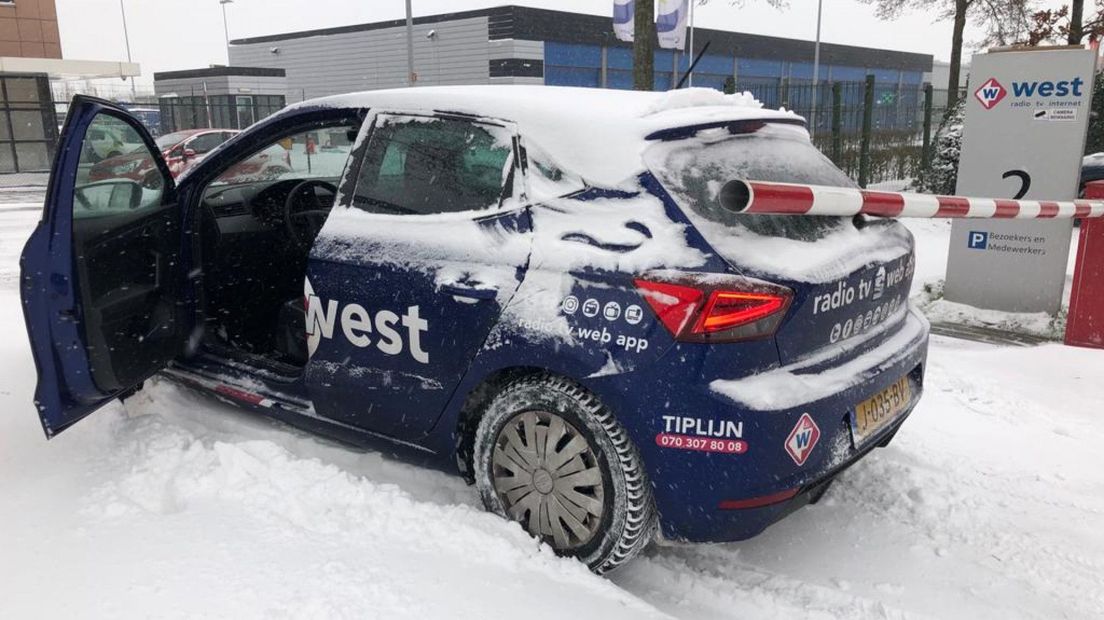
[
  {"x": 172, "y": 139},
  {"x": 694, "y": 170}
]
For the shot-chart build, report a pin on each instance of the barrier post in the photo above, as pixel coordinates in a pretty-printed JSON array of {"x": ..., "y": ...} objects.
[{"x": 1085, "y": 326}]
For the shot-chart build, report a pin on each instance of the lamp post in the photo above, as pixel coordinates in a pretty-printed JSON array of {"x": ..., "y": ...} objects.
[
  {"x": 126, "y": 37},
  {"x": 226, "y": 27},
  {"x": 411, "y": 77},
  {"x": 816, "y": 65}
]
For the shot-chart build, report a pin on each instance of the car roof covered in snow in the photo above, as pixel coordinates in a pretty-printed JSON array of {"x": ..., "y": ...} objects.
[{"x": 598, "y": 134}]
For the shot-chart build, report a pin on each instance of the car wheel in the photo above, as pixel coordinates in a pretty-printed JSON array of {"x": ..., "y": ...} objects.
[{"x": 549, "y": 455}]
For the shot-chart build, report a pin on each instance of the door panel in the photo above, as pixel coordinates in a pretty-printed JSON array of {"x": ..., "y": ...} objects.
[
  {"x": 406, "y": 282},
  {"x": 101, "y": 274}
]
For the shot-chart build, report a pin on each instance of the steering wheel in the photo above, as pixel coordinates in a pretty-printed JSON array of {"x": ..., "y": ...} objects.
[{"x": 305, "y": 211}]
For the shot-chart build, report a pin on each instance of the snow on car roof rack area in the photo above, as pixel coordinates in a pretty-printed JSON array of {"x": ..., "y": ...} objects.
[{"x": 598, "y": 134}]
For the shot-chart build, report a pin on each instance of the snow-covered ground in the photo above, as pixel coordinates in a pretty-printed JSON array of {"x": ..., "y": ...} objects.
[{"x": 989, "y": 504}]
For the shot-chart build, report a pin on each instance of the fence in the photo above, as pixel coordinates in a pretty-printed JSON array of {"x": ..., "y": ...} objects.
[
  {"x": 874, "y": 132},
  {"x": 216, "y": 111}
]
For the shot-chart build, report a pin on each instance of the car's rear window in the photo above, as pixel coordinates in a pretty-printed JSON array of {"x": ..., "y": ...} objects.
[{"x": 694, "y": 169}]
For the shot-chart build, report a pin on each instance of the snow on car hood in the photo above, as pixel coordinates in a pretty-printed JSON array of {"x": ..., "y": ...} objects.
[{"x": 596, "y": 134}]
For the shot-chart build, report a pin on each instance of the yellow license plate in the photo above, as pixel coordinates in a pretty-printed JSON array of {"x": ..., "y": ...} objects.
[{"x": 874, "y": 413}]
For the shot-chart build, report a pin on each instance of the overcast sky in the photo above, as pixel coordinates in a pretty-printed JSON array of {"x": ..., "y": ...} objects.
[{"x": 188, "y": 34}]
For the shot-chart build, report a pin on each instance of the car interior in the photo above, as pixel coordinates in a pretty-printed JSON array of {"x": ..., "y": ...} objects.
[
  {"x": 259, "y": 220},
  {"x": 261, "y": 216}
]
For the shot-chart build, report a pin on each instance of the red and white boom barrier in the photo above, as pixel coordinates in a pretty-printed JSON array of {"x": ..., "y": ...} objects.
[{"x": 792, "y": 199}]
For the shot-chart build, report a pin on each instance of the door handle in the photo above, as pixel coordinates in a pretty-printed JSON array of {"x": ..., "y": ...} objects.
[{"x": 469, "y": 292}]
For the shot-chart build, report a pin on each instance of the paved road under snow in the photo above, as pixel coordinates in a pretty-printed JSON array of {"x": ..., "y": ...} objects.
[{"x": 988, "y": 505}]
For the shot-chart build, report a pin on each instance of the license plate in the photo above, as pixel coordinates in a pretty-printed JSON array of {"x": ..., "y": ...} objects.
[{"x": 874, "y": 413}]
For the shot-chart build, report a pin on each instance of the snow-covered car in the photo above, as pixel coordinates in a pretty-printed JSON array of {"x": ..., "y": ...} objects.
[
  {"x": 181, "y": 150},
  {"x": 1092, "y": 169},
  {"x": 108, "y": 140},
  {"x": 536, "y": 288}
]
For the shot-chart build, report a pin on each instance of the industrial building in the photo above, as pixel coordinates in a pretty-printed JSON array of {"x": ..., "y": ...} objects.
[
  {"x": 31, "y": 56},
  {"x": 513, "y": 45}
]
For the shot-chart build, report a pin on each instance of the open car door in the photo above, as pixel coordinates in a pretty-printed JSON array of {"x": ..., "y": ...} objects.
[{"x": 102, "y": 275}]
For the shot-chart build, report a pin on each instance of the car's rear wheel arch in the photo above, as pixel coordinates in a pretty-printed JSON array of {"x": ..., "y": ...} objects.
[{"x": 475, "y": 405}]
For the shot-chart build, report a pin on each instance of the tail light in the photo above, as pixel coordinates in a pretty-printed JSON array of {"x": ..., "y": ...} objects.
[{"x": 716, "y": 308}]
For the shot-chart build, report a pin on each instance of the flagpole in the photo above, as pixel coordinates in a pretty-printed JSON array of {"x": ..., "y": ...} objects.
[{"x": 690, "y": 80}]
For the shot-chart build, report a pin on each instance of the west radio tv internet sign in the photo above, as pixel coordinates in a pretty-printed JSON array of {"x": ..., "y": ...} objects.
[
  {"x": 1024, "y": 137},
  {"x": 993, "y": 92}
]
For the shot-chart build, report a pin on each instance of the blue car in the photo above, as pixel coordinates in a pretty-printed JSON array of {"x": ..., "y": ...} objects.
[{"x": 538, "y": 289}]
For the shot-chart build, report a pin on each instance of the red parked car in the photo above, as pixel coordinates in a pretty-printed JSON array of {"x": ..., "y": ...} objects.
[{"x": 181, "y": 150}]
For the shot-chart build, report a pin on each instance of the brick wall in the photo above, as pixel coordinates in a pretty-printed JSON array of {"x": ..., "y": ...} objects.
[{"x": 29, "y": 29}]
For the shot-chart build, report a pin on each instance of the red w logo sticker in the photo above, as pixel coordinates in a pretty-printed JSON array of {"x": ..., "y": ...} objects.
[
  {"x": 803, "y": 438},
  {"x": 990, "y": 93}
]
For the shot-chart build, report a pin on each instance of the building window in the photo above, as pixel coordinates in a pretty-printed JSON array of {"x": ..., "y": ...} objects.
[
  {"x": 28, "y": 124},
  {"x": 217, "y": 111}
]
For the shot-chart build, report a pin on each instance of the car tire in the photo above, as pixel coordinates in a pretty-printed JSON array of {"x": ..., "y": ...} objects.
[{"x": 519, "y": 480}]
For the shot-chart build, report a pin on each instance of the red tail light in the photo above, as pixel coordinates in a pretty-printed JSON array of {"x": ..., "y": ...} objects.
[{"x": 716, "y": 309}]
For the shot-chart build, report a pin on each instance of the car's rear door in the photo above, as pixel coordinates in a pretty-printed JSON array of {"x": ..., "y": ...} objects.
[
  {"x": 406, "y": 283},
  {"x": 103, "y": 274}
]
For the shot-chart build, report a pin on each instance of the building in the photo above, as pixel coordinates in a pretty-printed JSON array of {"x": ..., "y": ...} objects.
[
  {"x": 222, "y": 97},
  {"x": 941, "y": 74},
  {"x": 29, "y": 29},
  {"x": 513, "y": 44},
  {"x": 30, "y": 56}
]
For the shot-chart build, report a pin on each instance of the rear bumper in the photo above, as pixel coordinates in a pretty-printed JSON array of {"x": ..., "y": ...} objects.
[
  {"x": 717, "y": 496},
  {"x": 734, "y": 524}
]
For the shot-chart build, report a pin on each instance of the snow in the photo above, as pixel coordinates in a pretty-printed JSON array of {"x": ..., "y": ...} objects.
[
  {"x": 987, "y": 505},
  {"x": 693, "y": 171},
  {"x": 591, "y": 133},
  {"x": 788, "y": 387}
]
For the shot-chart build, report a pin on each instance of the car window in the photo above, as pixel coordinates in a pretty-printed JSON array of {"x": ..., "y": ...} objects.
[
  {"x": 113, "y": 190},
  {"x": 694, "y": 170},
  {"x": 320, "y": 153},
  {"x": 206, "y": 143},
  {"x": 424, "y": 165},
  {"x": 172, "y": 139}
]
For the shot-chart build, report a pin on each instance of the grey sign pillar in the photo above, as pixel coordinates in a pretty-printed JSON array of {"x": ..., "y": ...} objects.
[{"x": 1027, "y": 115}]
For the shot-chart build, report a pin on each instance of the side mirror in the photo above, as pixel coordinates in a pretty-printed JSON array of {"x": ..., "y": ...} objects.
[{"x": 189, "y": 154}]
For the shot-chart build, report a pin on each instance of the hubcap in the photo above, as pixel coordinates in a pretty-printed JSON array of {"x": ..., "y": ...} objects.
[{"x": 547, "y": 476}]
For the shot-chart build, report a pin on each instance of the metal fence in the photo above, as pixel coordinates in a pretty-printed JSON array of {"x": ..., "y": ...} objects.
[
  {"x": 217, "y": 111},
  {"x": 874, "y": 132}
]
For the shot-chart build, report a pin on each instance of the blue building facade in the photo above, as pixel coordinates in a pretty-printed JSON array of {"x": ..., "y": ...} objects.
[
  {"x": 581, "y": 64},
  {"x": 522, "y": 45}
]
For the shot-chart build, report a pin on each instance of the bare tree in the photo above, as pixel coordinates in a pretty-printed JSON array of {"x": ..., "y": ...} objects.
[
  {"x": 1077, "y": 15},
  {"x": 644, "y": 42},
  {"x": 644, "y": 38},
  {"x": 1005, "y": 22},
  {"x": 1066, "y": 23}
]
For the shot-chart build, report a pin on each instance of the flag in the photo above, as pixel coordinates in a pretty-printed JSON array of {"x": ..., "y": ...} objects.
[
  {"x": 671, "y": 23},
  {"x": 623, "y": 22}
]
